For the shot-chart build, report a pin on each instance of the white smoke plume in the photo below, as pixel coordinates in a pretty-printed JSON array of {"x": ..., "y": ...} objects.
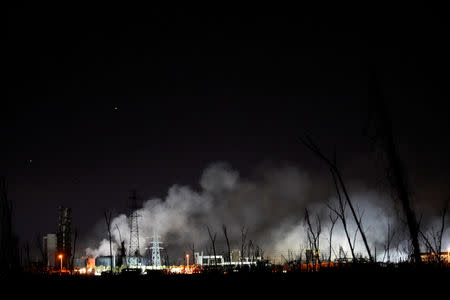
[{"x": 271, "y": 207}]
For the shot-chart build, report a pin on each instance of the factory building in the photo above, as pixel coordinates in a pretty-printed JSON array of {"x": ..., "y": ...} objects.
[
  {"x": 235, "y": 259},
  {"x": 84, "y": 265},
  {"x": 58, "y": 246},
  {"x": 105, "y": 261},
  {"x": 208, "y": 260},
  {"x": 50, "y": 244}
]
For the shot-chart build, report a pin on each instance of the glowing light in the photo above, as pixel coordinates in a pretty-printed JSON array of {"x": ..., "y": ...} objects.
[
  {"x": 60, "y": 257},
  {"x": 177, "y": 270}
]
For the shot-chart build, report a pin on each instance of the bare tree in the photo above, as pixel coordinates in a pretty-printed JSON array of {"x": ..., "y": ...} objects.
[
  {"x": 355, "y": 235},
  {"x": 387, "y": 247},
  {"x": 224, "y": 229},
  {"x": 313, "y": 235},
  {"x": 382, "y": 137},
  {"x": 433, "y": 240},
  {"x": 250, "y": 250},
  {"x": 122, "y": 256},
  {"x": 340, "y": 212},
  {"x": 333, "y": 220},
  {"x": 108, "y": 225},
  {"x": 244, "y": 232},
  {"x": 213, "y": 244},
  {"x": 335, "y": 170}
]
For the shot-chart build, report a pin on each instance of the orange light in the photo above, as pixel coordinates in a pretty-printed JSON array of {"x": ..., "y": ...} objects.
[{"x": 60, "y": 257}]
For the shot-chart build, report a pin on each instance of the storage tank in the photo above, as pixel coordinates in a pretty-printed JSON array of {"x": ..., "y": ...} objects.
[{"x": 105, "y": 261}]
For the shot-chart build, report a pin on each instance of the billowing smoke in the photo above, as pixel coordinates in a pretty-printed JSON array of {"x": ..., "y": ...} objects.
[{"x": 270, "y": 207}]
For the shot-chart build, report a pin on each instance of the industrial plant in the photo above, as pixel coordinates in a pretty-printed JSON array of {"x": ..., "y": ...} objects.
[
  {"x": 60, "y": 254},
  {"x": 61, "y": 258}
]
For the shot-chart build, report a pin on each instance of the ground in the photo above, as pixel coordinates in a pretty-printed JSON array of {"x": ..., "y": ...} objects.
[{"x": 336, "y": 284}]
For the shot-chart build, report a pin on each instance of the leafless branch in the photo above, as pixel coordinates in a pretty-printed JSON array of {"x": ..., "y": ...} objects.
[
  {"x": 307, "y": 141},
  {"x": 213, "y": 244}
]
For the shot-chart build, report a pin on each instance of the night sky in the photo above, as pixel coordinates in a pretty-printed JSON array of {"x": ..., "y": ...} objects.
[{"x": 109, "y": 99}]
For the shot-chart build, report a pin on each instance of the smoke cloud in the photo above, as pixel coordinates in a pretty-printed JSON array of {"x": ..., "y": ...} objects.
[{"x": 270, "y": 206}]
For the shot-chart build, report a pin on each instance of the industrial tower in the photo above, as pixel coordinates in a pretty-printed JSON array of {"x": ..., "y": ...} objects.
[
  {"x": 156, "y": 254},
  {"x": 134, "y": 226},
  {"x": 64, "y": 237}
]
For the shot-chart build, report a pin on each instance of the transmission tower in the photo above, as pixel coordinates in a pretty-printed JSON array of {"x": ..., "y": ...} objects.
[
  {"x": 156, "y": 254},
  {"x": 134, "y": 226}
]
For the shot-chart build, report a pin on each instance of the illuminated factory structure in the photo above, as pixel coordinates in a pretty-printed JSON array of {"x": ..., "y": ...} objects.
[
  {"x": 64, "y": 237},
  {"x": 235, "y": 259},
  {"x": 434, "y": 257},
  {"x": 57, "y": 247},
  {"x": 103, "y": 263},
  {"x": 58, "y": 250},
  {"x": 58, "y": 256}
]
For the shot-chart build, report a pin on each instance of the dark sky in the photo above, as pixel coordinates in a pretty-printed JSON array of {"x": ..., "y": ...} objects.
[{"x": 104, "y": 100}]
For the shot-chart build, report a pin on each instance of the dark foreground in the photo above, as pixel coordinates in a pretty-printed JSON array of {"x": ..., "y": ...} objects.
[{"x": 344, "y": 284}]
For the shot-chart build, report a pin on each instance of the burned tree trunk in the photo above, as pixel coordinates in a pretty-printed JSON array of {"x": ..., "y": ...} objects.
[
  {"x": 341, "y": 215},
  {"x": 336, "y": 172},
  {"x": 383, "y": 138}
]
